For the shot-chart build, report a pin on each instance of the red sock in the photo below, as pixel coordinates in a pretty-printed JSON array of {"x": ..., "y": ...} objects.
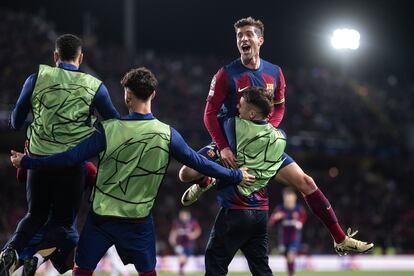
[
  {"x": 149, "y": 273},
  {"x": 291, "y": 268},
  {"x": 204, "y": 182},
  {"x": 321, "y": 207},
  {"x": 77, "y": 271}
]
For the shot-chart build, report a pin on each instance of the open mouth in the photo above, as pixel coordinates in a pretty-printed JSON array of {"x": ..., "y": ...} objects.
[{"x": 246, "y": 48}]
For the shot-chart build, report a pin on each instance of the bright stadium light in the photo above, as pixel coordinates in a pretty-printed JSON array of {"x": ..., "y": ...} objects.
[{"x": 345, "y": 39}]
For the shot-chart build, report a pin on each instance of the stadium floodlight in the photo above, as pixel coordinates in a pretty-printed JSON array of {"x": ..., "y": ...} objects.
[{"x": 345, "y": 39}]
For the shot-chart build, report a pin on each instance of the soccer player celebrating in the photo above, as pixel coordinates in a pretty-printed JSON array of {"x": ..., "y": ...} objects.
[
  {"x": 134, "y": 155},
  {"x": 242, "y": 219},
  {"x": 291, "y": 216},
  {"x": 62, "y": 100},
  {"x": 58, "y": 248},
  {"x": 225, "y": 93},
  {"x": 184, "y": 232}
]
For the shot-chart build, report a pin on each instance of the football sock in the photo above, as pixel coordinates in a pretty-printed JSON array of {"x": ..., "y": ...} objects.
[
  {"x": 149, "y": 273},
  {"x": 321, "y": 207},
  {"x": 291, "y": 268},
  {"x": 77, "y": 271},
  {"x": 204, "y": 182}
]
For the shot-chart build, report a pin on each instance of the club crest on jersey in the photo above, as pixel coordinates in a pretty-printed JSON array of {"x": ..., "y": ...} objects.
[
  {"x": 211, "y": 153},
  {"x": 270, "y": 87}
]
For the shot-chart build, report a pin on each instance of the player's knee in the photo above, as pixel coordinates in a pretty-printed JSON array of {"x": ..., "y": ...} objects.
[
  {"x": 305, "y": 184},
  {"x": 187, "y": 174},
  {"x": 290, "y": 256},
  {"x": 309, "y": 184}
]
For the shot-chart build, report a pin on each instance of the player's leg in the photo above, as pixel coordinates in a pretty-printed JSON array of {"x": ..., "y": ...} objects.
[
  {"x": 203, "y": 183},
  {"x": 34, "y": 255},
  {"x": 67, "y": 189},
  {"x": 290, "y": 259},
  {"x": 182, "y": 260},
  {"x": 135, "y": 243},
  {"x": 92, "y": 246},
  {"x": 225, "y": 239},
  {"x": 63, "y": 258},
  {"x": 38, "y": 210},
  {"x": 291, "y": 174},
  {"x": 291, "y": 250},
  {"x": 210, "y": 152},
  {"x": 255, "y": 249}
]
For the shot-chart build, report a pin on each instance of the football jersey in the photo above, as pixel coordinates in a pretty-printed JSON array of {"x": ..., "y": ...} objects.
[
  {"x": 184, "y": 229},
  {"x": 287, "y": 231},
  {"x": 226, "y": 90}
]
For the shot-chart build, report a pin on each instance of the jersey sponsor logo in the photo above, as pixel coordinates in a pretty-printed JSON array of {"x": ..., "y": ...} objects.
[
  {"x": 270, "y": 87},
  {"x": 212, "y": 87},
  {"x": 242, "y": 89}
]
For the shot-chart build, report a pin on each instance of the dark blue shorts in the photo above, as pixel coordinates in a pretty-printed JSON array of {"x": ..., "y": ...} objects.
[
  {"x": 212, "y": 153},
  {"x": 64, "y": 248},
  {"x": 293, "y": 246},
  {"x": 134, "y": 242},
  {"x": 184, "y": 250}
]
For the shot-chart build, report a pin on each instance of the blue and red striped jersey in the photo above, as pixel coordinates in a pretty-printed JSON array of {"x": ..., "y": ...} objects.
[
  {"x": 224, "y": 94},
  {"x": 184, "y": 230},
  {"x": 291, "y": 223}
]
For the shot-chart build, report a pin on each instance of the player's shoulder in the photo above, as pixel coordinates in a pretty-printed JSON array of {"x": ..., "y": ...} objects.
[
  {"x": 233, "y": 65},
  {"x": 268, "y": 66}
]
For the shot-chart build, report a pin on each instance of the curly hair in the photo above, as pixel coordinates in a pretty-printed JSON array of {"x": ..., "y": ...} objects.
[
  {"x": 260, "y": 98},
  {"x": 140, "y": 81}
]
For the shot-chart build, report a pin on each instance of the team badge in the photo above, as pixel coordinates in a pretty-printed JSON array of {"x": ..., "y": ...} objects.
[
  {"x": 270, "y": 87},
  {"x": 211, "y": 153}
]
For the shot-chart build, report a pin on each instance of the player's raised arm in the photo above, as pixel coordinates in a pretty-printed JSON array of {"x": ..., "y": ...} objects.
[{"x": 186, "y": 155}]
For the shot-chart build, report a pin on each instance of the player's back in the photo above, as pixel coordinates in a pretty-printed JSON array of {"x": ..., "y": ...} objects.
[{"x": 259, "y": 147}]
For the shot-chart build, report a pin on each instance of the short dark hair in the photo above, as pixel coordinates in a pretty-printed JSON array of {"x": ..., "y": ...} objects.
[
  {"x": 68, "y": 46},
  {"x": 141, "y": 82},
  {"x": 260, "y": 98},
  {"x": 250, "y": 21}
]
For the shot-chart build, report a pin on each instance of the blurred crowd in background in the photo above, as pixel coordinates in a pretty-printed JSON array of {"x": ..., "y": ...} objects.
[{"x": 351, "y": 135}]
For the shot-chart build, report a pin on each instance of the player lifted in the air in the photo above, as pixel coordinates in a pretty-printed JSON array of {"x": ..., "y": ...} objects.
[{"x": 224, "y": 95}]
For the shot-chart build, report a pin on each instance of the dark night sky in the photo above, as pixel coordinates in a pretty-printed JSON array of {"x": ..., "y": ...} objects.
[{"x": 296, "y": 32}]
